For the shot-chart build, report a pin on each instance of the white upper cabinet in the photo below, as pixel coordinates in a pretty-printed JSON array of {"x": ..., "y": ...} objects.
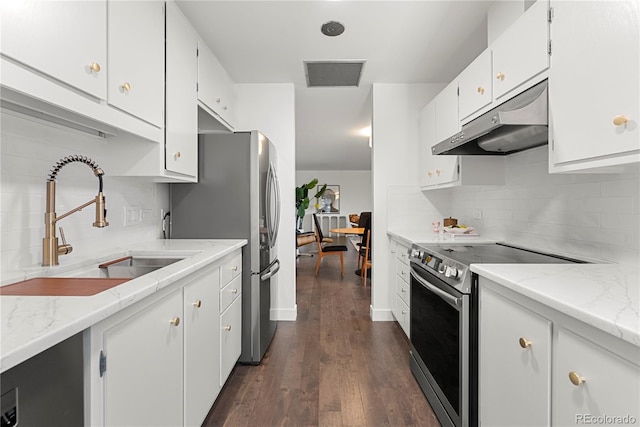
[
  {"x": 447, "y": 112},
  {"x": 594, "y": 84},
  {"x": 427, "y": 140},
  {"x": 522, "y": 52},
  {"x": 66, "y": 40},
  {"x": 136, "y": 58},
  {"x": 475, "y": 85},
  {"x": 216, "y": 90},
  {"x": 181, "y": 127}
]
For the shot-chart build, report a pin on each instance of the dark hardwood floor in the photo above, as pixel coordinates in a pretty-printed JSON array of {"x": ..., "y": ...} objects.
[{"x": 333, "y": 366}]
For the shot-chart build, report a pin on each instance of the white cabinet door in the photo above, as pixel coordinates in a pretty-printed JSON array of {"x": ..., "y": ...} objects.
[
  {"x": 181, "y": 121},
  {"x": 215, "y": 87},
  {"x": 515, "y": 381},
  {"x": 427, "y": 140},
  {"x": 143, "y": 380},
  {"x": 201, "y": 346},
  {"x": 136, "y": 58},
  {"x": 475, "y": 85},
  {"x": 611, "y": 384},
  {"x": 447, "y": 119},
  {"x": 521, "y": 52},
  {"x": 594, "y": 80},
  {"x": 66, "y": 40},
  {"x": 230, "y": 338}
]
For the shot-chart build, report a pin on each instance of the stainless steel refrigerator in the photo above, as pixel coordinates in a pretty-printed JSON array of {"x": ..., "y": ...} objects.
[{"x": 237, "y": 196}]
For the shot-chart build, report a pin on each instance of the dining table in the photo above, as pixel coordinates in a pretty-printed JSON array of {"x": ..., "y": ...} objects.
[{"x": 348, "y": 230}]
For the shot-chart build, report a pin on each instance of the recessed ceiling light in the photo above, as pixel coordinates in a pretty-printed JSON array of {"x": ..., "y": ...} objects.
[{"x": 332, "y": 28}]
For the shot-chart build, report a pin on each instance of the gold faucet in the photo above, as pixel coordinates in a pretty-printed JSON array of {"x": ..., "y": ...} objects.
[{"x": 50, "y": 247}]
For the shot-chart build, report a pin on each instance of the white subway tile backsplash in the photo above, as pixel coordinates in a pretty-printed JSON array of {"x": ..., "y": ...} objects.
[{"x": 29, "y": 149}]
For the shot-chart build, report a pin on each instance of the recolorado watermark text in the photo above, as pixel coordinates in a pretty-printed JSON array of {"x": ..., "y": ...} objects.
[{"x": 588, "y": 419}]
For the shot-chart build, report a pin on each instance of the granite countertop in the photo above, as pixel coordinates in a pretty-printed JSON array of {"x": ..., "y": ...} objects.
[
  {"x": 31, "y": 324},
  {"x": 604, "y": 296}
]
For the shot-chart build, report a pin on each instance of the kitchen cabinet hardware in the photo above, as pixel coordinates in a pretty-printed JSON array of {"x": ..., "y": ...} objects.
[
  {"x": 234, "y": 291},
  {"x": 620, "y": 120},
  {"x": 177, "y": 155},
  {"x": 94, "y": 67},
  {"x": 227, "y": 328},
  {"x": 524, "y": 343},
  {"x": 500, "y": 76},
  {"x": 197, "y": 304},
  {"x": 480, "y": 90},
  {"x": 125, "y": 87},
  {"x": 576, "y": 379},
  {"x": 218, "y": 100},
  {"x": 175, "y": 321}
]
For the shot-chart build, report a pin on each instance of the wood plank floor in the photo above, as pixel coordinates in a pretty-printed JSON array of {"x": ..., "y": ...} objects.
[{"x": 333, "y": 366}]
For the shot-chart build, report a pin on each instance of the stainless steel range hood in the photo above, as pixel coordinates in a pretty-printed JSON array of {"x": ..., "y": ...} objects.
[{"x": 518, "y": 124}]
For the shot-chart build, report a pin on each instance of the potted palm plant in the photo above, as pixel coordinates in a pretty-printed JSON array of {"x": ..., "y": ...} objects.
[{"x": 302, "y": 199}]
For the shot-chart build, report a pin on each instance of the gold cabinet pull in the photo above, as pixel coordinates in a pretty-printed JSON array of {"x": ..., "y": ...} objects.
[
  {"x": 95, "y": 67},
  {"x": 620, "y": 120},
  {"x": 177, "y": 155},
  {"x": 480, "y": 90},
  {"x": 438, "y": 172},
  {"x": 234, "y": 268},
  {"x": 234, "y": 291},
  {"x": 430, "y": 174},
  {"x": 524, "y": 343},
  {"x": 227, "y": 328},
  {"x": 218, "y": 100},
  {"x": 576, "y": 379},
  {"x": 500, "y": 76},
  {"x": 126, "y": 87},
  {"x": 175, "y": 321},
  {"x": 197, "y": 304}
]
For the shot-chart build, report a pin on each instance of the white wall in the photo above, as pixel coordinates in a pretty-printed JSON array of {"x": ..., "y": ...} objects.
[
  {"x": 270, "y": 108},
  {"x": 355, "y": 190},
  {"x": 589, "y": 215},
  {"x": 28, "y": 151},
  {"x": 396, "y": 124}
]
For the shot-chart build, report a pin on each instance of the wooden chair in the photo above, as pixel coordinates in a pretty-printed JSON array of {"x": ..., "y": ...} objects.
[
  {"x": 365, "y": 222},
  {"x": 325, "y": 248},
  {"x": 366, "y": 260}
]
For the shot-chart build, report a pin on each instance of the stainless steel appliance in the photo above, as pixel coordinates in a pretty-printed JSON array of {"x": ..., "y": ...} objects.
[
  {"x": 237, "y": 197},
  {"x": 518, "y": 124},
  {"x": 444, "y": 322}
]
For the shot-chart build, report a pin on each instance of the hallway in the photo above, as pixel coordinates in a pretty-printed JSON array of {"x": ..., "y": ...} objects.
[{"x": 332, "y": 367}]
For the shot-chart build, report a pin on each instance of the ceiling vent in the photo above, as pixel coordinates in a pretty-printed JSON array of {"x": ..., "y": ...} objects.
[{"x": 333, "y": 73}]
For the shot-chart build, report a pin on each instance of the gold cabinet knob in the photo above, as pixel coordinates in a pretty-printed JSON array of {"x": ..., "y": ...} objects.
[
  {"x": 227, "y": 328},
  {"x": 234, "y": 291},
  {"x": 500, "y": 76},
  {"x": 175, "y": 321},
  {"x": 125, "y": 87},
  {"x": 197, "y": 304},
  {"x": 524, "y": 343},
  {"x": 177, "y": 155},
  {"x": 218, "y": 100},
  {"x": 225, "y": 108},
  {"x": 234, "y": 268},
  {"x": 576, "y": 379},
  {"x": 620, "y": 120},
  {"x": 480, "y": 90},
  {"x": 430, "y": 174},
  {"x": 95, "y": 67},
  {"x": 438, "y": 172}
]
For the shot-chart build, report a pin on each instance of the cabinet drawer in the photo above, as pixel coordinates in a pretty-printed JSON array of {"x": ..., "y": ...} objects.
[
  {"x": 403, "y": 315},
  {"x": 230, "y": 269},
  {"x": 402, "y": 270},
  {"x": 230, "y": 292},
  {"x": 230, "y": 338},
  {"x": 402, "y": 290},
  {"x": 403, "y": 254}
]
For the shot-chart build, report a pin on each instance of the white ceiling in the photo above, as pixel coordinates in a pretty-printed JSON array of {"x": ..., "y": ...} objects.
[{"x": 402, "y": 42}]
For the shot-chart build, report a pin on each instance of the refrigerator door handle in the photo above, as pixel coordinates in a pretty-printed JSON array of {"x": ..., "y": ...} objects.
[
  {"x": 272, "y": 270},
  {"x": 276, "y": 226}
]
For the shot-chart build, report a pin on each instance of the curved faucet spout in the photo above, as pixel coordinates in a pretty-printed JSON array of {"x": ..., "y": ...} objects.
[{"x": 50, "y": 247}]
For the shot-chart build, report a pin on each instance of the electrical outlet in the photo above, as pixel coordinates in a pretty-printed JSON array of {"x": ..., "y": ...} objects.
[
  {"x": 477, "y": 214},
  {"x": 131, "y": 216},
  {"x": 146, "y": 215}
]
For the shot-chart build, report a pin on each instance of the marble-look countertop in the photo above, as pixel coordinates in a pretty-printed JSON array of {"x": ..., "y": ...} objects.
[
  {"x": 31, "y": 324},
  {"x": 410, "y": 237},
  {"x": 605, "y": 296}
]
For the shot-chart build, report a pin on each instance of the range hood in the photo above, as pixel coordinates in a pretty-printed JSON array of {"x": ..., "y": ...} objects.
[{"x": 516, "y": 125}]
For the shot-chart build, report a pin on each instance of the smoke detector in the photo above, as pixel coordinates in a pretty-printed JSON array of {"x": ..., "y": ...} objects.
[{"x": 332, "y": 28}]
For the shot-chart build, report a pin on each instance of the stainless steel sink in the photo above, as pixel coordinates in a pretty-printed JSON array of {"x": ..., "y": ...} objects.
[{"x": 131, "y": 267}]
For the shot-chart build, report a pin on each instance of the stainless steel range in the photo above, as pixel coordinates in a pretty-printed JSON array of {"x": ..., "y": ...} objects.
[{"x": 444, "y": 322}]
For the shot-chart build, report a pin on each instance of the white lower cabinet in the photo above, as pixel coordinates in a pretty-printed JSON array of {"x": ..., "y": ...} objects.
[
  {"x": 163, "y": 360},
  {"x": 515, "y": 362},
  {"x": 540, "y": 367},
  {"x": 402, "y": 307}
]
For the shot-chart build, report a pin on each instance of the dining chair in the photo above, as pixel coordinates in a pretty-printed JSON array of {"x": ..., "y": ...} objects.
[
  {"x": 326, "y": 248},
  {"x": 365, "y": 223},
  {"x": 366, "y": 259}
]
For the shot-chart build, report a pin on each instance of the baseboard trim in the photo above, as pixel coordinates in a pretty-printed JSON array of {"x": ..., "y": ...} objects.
[
  {"x": 284, "y": 314},
  {"x": 385, "y": 315}
]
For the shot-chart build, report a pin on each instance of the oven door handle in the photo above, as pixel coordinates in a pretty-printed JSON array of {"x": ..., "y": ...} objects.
[{"x": 450, "y": 299}]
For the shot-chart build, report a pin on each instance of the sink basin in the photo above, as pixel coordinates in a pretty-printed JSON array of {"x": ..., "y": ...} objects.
[
  {"x": 89, "y": 281},
  {"x": 131, "y": 267}
]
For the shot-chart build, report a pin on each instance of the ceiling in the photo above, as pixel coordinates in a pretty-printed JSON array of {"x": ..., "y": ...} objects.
[{"x": 416, "y": 41}]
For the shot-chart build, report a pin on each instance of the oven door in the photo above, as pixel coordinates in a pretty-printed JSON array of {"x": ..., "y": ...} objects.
[{"x": 440, "y": 345}]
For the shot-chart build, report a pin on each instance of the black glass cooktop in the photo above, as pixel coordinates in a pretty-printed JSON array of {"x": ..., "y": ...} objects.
[{"x": 498, "y": 253}]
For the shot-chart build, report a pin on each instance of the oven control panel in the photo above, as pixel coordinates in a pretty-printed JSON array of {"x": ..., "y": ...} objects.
[{"x": 447, "y": 269}]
